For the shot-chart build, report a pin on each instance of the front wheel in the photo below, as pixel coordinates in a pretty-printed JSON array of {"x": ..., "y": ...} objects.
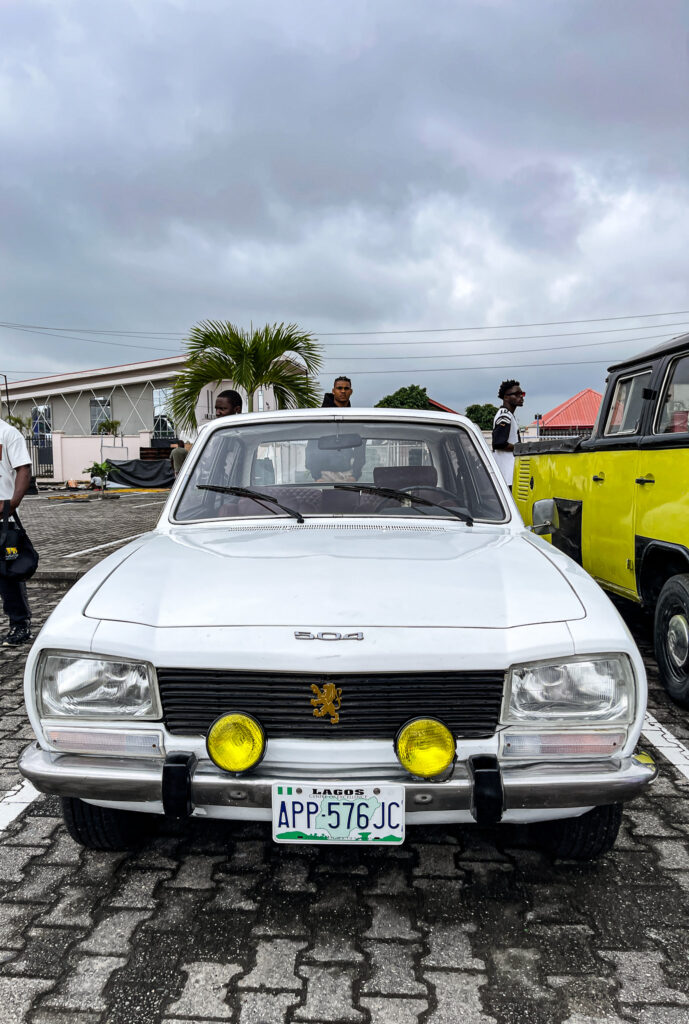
[
  {"x": 105, "y": 828},
  {"x": 671, "y": 637},
  {"x": 587, "y": 837}
]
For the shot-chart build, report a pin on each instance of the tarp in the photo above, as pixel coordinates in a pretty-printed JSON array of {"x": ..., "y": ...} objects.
[{"x": 142, "y": 473}]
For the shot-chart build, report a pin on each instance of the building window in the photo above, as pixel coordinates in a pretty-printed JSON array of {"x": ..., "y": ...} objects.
[
  {"x": 100, "y": 410},
  {"x": 163, "y": 427},
  {"x": 41, "y": 424}
]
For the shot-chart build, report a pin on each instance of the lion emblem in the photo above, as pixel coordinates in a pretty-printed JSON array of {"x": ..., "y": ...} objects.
[{"x": 327, "y": 702}]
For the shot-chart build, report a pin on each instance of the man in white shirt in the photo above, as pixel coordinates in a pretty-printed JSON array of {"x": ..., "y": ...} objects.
[
  {"x": 15, "y": 478},
  {"x": 505, "y": 429}
]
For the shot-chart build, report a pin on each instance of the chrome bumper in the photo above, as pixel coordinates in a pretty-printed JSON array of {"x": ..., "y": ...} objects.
[{"x": 526, "y": 786}]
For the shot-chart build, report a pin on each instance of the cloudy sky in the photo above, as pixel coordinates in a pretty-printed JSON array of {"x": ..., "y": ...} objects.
[{"x": 417, "y": 171}]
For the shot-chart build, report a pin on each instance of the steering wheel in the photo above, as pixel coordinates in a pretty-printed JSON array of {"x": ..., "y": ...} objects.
[{"x": 441, "y": 492}]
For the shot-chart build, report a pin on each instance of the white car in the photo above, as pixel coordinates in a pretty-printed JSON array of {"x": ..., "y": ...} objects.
[{"x": 341, "y": 626}]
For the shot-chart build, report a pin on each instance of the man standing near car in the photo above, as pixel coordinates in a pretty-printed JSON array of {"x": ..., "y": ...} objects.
[
  {"x": 340, "y": 396},
  {"x": 505, "y": 429},
  {"x": 15, "y": 478},
  {"x": 228, "y": 403}
]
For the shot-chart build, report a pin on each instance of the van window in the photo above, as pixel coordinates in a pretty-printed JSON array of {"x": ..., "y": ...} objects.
[
  {"x": 624, "y": 415},
  {"x": 673, "y": 411}
]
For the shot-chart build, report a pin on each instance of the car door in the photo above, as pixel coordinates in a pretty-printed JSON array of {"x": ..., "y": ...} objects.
[
  {"x": 608, "y": 528},
  {"x": 662, "y": 502}
]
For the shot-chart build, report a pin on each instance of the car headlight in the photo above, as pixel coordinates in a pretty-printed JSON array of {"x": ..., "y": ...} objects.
[
  {"x": 593, "y": 690},
  {"x": 86, "y": 686}
]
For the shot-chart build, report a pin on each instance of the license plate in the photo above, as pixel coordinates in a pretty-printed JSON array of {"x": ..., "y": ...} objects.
[{"x": 321, "y": 813}]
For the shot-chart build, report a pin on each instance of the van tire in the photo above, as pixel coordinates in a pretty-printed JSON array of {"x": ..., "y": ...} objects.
[
  {"x": 587, "y": 837},
  {"x": 671, "y": 636},
  {"x": 105, "y": 828}
]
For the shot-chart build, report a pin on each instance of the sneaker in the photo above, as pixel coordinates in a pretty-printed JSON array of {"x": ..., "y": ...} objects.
[{"x": 17, "y": 635}]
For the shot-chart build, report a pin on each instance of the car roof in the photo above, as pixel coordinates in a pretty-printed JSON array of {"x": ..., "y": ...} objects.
[{"x": 677, "y": 344}]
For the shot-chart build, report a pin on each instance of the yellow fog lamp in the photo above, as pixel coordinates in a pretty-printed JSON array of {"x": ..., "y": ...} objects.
[
  {"x": 425, "y": 747},
  {"x": 236, "y": 742}
]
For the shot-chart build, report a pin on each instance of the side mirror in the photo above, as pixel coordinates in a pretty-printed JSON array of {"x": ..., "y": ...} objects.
[{"x": 545, "y": 517}]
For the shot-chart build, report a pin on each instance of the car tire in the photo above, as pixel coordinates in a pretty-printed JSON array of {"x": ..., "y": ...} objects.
[
  {"x": 671, "y": 637},
  {"x": 587, "y": 837},
  {"x": 105, "y": 828}
]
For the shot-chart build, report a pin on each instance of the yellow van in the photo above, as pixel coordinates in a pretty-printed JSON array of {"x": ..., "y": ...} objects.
[{"x": 621, "y": 497}]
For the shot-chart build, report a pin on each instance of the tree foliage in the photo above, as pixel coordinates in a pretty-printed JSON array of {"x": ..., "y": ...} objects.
[
  {"x": 482, "y": 415},
  {"x": 411, "y": 397},
  {"x": 281, "y": 356},
  {"x": 109, "y": 427}
]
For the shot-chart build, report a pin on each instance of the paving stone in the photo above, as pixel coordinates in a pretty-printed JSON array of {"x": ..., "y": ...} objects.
[
  {"x": 390, "y": 921},
  {"x": 195, "y": 873},
  {"x": 647, "y": 823},
  {"x": 264, "y": 1007},
  {"x": 392, "y": 965},
  {"x": 150, "y": 980},
  {"x": 14, "y": 859},
  {"x": 17, "y": 995},
  {"x": 205, "y": 991},
  {"x": 82, "y": 988},
  {"x": 68, "y": 1017},
  {"x": 44, "y": 952},
  {"x": 136, "y": 889},
  {"x": 173, "y": 914},
  {"x": 34, "y": 832},
  {"x": 112, "y": 935},
  {"x": 390, "y": 882},
  {"x": 63, "y": 851},
  {"x": 395, "y": 1011},
  {"x": 329, "y": 948},
  {"x": 587, "y": 997},
  {"x": 275, "y": 960},
  {"x": 437, "y": 861},
  {"x": 74, "y": 908},
  {"x": 248, "y": 855},
  {"x": 642, "y": 979},
  {"x": 450, "y": 946},
  {"x": 454, "y": 990},
  {"x": 673, "y": 855},
  {"x": 14, "y": 920},
  {"x": 519, "y": 970},
  {"x": 329, "y": 995},
  {"x": 292, "y": 876},
  {"x": 42, "y": 883},
  {"x": 232, "y": 893},
  {"x": 658, "y": 1015},
  {"x": 562, "y": 945},
  {"x": 99, "y": 867}
]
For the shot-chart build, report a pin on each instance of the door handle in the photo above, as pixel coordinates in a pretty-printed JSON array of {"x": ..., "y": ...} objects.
[
  {"x": 598, "y": 477},
  {"x": 644, "y": 480}
]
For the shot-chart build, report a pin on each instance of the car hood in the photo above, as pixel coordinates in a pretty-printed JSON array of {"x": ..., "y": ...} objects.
[{"x": 330, "y": 577}]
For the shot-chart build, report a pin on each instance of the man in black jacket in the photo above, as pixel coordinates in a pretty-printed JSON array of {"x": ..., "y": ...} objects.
[{"x": 340, "y": 395}]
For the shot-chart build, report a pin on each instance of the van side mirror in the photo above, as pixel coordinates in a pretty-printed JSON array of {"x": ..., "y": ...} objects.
[{"x": 545, "y": 517}]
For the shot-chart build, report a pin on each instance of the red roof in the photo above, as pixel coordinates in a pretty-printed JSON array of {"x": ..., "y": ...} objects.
[
  {"x": 436, "y": 405},
  {"x": 579, "y": 411}
]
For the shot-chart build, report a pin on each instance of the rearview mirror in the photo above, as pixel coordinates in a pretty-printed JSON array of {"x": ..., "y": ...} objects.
[
  {"x": 337, "y": 442},
  {"x": 545, "y": 517}
]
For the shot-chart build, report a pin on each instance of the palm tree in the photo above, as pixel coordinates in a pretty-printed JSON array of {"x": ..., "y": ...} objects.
[{"x": 269, "y": 357}]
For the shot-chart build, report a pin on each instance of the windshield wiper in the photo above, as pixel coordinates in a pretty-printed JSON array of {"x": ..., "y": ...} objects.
[
  {"x": 404, "y": 497},
  {"x": 245, "y": 492}
]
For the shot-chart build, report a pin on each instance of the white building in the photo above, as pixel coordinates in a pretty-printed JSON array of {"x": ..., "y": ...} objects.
[{"x": 66, "y": 409}]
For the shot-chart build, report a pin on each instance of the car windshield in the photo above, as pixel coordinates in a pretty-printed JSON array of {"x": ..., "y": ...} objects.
[{"x": 341, "y": 468}]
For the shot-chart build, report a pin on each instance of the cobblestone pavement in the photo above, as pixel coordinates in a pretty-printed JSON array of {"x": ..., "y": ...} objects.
[{"x": 215, "y": 923}]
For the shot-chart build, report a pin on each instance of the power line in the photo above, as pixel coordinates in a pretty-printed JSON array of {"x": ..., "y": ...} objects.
[
  {"x": 500, "y": 327},
  {"x": 525, "y": 337},
  {"x": 334, "y": 334},
  {"x": 467, "y": 369},
  {"x": 90, "y": 341},
  {"x": 503, "y": 352}
]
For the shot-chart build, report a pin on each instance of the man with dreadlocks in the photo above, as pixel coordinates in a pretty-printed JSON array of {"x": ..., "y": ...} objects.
[{"x": 505, "y": 429}]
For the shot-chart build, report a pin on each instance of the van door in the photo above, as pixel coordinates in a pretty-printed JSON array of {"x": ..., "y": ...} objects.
[
  {"x": 608, "y": 524},
  {"x": 662, "y": 502}
]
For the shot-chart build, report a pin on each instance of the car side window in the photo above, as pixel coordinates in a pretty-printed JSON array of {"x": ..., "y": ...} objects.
[
  {"x": 673, "y": 410},
  {"x": 624, "y": 414}
]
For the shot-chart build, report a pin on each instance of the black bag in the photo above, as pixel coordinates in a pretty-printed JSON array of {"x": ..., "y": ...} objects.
[{"x": 18, "y": 557}]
